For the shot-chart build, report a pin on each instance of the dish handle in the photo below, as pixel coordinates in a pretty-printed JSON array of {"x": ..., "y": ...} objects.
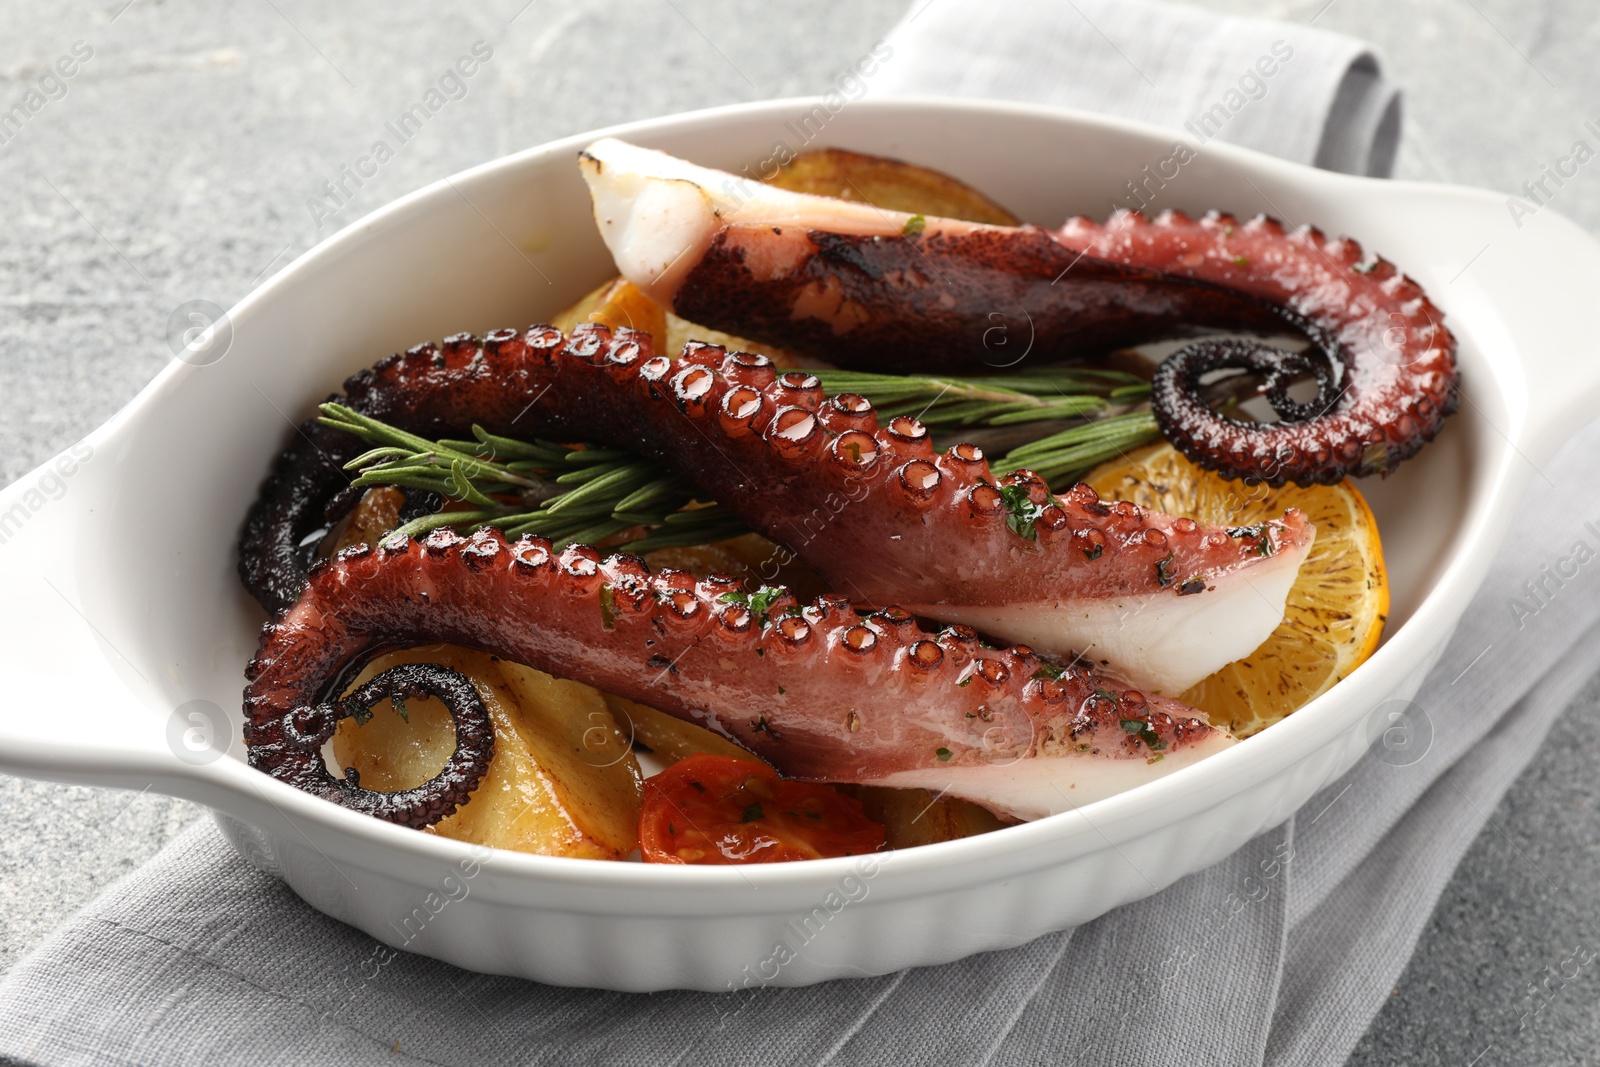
[
  {"x": 1545, "y": 274},
  {"x": 74, "y": 709}
]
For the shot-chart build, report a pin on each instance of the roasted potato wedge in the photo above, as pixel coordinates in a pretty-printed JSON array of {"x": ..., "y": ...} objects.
[
  {"x": 615, "y": 303},
  {"x": 890, "y": 184},
  {"x": 375, "y": 514},
  {"x": 915, "y": 817},
  {"x": 563, "y": 781},
  {"x": 668, "y": 738}
]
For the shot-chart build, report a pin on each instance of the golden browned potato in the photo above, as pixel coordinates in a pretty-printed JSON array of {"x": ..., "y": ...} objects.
[
  {"x": 669, "y": 738},
  {"x": 375, "y": 514},
  {"x": 563, "y": 781},
  {"x": 616, "y": 303},
  {"x": 913, "y": 817},
  {"x": 890, "y": 184}
]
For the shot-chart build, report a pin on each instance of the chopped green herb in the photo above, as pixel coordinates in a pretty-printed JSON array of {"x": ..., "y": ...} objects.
[
  {"x": 1106, "y": 694},
  {"x": 914, "y": 226},
  {"x": 781, "y": 690},
  {"x": 1164, "y": 570},
  {"x": 752, "y": 813},
  {"x": 1142, "y": 729},
  {"x": 1093, "y": 553},
  {"x": 964, "y": 682},
  {"x": 759, "y": 602},
  {"x": 1240, "y": 261},
  {"x": 398, "y": 703},
  {"x": 1049, "y": 671},
  {"x": 943, "y": 754},
  {"x": 1021, "y": 511},
  {"x": 1264, "y": 547},
  {"x": 608, "y": 606},
  {"x": 1366, "y": 266},
  {"x": 759, "y": 725}
]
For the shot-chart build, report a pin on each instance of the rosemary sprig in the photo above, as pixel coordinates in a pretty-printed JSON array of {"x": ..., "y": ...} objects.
[
  {"x": 576, "y": 494},
  {"x": 1065, "y": 457},
  {"x": 563, "y": 492},
  {"x": 1043, "y": 395}
]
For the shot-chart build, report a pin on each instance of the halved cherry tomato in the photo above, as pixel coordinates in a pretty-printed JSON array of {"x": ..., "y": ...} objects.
[{"x": 721, "y": 810}]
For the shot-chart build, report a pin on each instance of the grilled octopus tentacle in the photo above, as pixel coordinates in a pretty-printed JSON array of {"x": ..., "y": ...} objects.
[
  {"x": 873, "y": 508},
  {"x": 1383, "y": 359},
  {"x": 288, "y": 743},
  {"x": 872, "y": 289},
  {"x": 822, "y": 691}
]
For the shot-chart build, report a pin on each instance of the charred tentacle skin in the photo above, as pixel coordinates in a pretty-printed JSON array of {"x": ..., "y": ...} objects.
[
  {"x": 288, "y": 745},
  {"x": 966, "y": 300},
  {"x": 821, "y": 690}
]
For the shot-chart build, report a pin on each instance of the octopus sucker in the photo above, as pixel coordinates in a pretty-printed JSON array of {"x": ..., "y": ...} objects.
[
  {"x": 871, "y": 506},
  {"x": 872, "y": 289},
  {"x": 821, "y": 691}
]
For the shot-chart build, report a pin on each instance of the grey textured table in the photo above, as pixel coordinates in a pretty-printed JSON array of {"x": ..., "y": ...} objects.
[{"x": 180, "y": 160}]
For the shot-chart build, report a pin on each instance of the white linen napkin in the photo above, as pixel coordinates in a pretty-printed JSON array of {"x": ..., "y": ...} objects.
[
  {"x": 1300, "y": 93},
  {"x": 1280, "y": 954}
]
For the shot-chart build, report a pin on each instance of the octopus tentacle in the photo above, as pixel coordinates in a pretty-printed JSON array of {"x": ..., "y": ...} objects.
[
  {"x": 882, "y": 290},
  {"x": 821, "y": 690},
  {"x": 873, "y": 507},
  {"x": 1386, "y": 373},
  {"x": 287, "y": 743}
]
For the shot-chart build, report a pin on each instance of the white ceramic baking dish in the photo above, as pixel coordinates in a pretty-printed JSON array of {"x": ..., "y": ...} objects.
[{"x": 125, "y": 632}]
